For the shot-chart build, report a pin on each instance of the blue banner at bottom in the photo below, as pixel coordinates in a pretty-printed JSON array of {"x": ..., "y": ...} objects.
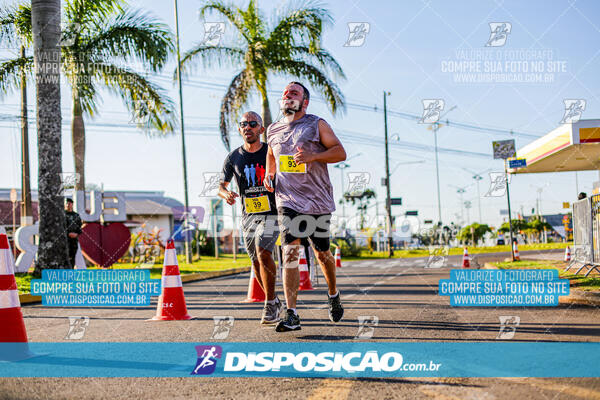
[{"x": 300, "y": 359}]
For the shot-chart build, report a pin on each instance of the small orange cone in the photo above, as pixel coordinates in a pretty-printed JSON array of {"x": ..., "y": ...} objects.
[
  {"x": 255, "y": 293},
  {"x": 568, "y": 254},
  {"x": 338, "y": 258},
  {"x": 11, "y": 319},
  {"x": 305, "y": 283},
  {"x": 516, "y": 250},
  {"x": 466, "y": 263},
  {"x": 171, "y": 303}
]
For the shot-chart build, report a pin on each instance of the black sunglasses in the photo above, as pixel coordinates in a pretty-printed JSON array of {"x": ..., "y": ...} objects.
[{"x": 253, "y": 124}]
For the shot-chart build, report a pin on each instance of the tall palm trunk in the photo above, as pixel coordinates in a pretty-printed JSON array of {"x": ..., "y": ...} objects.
[
  {"x": 78, "y": 140},
  {"x": 26, "y": 210},
  {"x": 265, "y": 108},
  {"x": 52, "y": 250}
]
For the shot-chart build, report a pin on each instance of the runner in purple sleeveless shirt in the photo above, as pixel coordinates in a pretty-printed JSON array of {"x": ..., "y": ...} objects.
[{"x": 300, "y": 147}]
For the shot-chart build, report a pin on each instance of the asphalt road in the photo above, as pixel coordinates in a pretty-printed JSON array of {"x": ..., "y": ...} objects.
[{"x": 400, "y": 292}]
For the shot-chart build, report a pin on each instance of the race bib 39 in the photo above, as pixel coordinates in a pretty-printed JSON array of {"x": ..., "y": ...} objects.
[{"x": 257, "y": 204}]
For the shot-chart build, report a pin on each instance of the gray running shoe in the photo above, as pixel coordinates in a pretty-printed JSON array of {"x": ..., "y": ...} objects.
[{"x": 271, "y": 312}]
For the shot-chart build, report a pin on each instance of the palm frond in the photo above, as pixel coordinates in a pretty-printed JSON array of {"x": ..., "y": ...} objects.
[
  {"x": 305, "y": 21},
  {"x": 131, "y": 35},
  {"x": 146, "y": 101},
  {"x": 10, "y": 73},
  {"x": 85, "y": 12},
  {"x": 230, "y": 12},
  {"x": 211, "y": 56},
  {"x": 15, "y": 25},
  {"x": 331, "y": 92},
  {"x": 79, "y": 70},
  {"x": 322, "y": 57},
  {"x": 235, "y": 97}
]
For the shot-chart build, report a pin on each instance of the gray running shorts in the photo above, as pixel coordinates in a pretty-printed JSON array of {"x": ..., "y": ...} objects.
[{"x": 261, "y": 231}]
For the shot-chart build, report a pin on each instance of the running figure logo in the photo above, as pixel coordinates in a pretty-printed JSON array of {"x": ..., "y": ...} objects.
[
  {"x": 437, "y": 256},
  {"x": 498, "y": 34},
  {"x": 366, "y": 326},
  {"x": 213, "y": 32},
  {"x": 207, "y": 359},
  {"x": 497, "y": 184},
  {"x": 211, "y": 184},
  {"x": 508, "y": 326},
  {"x": 223, "y": 325},
  {"x": 432, "y": 108},
  {"x": 68, "y": 180},
  {"x": 77, "y": 327},
  {"x": 358, "y": 182},
  {"x": 573, "y": 110},
  {"x": 357, "y": 33}
]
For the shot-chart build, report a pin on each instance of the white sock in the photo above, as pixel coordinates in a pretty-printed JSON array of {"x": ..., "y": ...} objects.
[
  {"x": 294, "y": 310},
  {"x": 335, "y": 295},
  {"x": 271, "y": 302}
]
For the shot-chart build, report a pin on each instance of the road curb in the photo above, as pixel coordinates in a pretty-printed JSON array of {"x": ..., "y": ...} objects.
[
  {"x": 27, "y": 298},
  {"x": 575, "y": 296}
]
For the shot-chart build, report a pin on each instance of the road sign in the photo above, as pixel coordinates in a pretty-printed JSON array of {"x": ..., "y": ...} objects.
[
  {"x": 428, "y": 221},
  {"x": 396, "y": 201},
  {"x": 383, "y": 182},
  {"x": 504, "y": 149},
  {"x": 517, "y": 163},
  {"x": 566, "y": 204},
  {"x": 413, "y": 213},
  {"x": 13, "y": 195},
  {"x": 503, "y": 212}
]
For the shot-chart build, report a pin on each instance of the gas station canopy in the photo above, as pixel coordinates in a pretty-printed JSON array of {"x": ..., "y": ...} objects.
[{"x": 570, "y": 147}]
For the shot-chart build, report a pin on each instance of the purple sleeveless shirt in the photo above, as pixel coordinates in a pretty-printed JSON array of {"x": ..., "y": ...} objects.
[{"x": 306, "y": 193}]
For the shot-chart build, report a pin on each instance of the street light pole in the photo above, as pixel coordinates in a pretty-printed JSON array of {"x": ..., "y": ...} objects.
[
  {"x": 477, "y": 179},
  {"x": 388, "y": 203},
  {"x": 512, "y": 248},
  {"x": 435, "y": 127},
  {"x": 342, "y": 166},
  {"x": 437, "y": 171},
  {"x": 188, "y": 257}
]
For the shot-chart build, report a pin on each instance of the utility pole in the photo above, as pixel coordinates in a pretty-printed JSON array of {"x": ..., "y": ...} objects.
[
  {"x": 188, "y": 257},
  {"x": 342, "y": 166},
  {"x": 512, "y": 248},
  {"x": 388, "y": 203},
  {"x": 435, "y": 127},
  {"x": 26, "y": 209}
]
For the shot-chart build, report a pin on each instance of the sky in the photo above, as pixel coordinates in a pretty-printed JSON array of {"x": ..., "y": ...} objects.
[{"x": 412, "y": 50}]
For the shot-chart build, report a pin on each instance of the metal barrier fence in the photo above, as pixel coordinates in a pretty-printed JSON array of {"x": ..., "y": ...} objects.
[{"x": 586, "y": 235}]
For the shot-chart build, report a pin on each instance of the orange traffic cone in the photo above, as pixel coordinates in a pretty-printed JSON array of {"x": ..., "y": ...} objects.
[
  {"x": 338, "y": 257},
  {"x": 305, "y": 283},
  {"x": 516, "y": 251},
  {"x": 171, "y": 303},
  {"x": 466, "y": 263},
  {"x": 255, "y": 293},
  {"x": 568, "y": 254},
  {"x": 11, "y": 319}
]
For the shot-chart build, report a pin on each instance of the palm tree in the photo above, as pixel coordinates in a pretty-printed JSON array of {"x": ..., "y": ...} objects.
[
  {"x": 14, "y": 34},
  {"x": 45, "y": 20},
  {"x": 101, "y": 38},
  {"x": 363, "y": 199},
  {"x": 290, "y": 46}
]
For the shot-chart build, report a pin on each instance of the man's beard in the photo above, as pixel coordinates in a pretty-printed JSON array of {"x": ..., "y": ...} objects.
[
  {"x": 290, "y": 107},
  {"x": 252, "y": 139}
]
